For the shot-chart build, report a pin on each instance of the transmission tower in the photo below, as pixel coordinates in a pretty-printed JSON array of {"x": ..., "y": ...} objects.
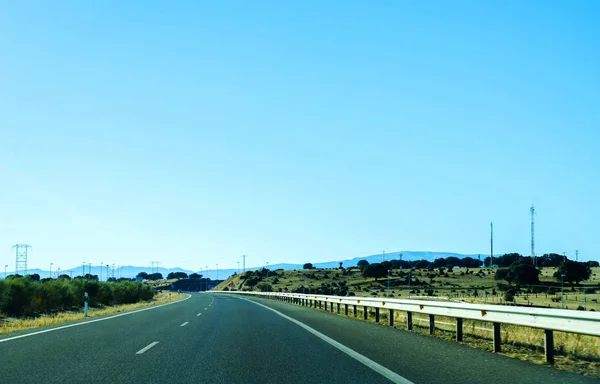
[
  {"x": 155, "y": 266},
  {"x": 533, "y": 258},
  {"x": 21, "y": 258}
]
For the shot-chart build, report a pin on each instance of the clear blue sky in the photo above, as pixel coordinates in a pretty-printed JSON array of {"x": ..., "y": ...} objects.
[{"x": 291, "y": 131}]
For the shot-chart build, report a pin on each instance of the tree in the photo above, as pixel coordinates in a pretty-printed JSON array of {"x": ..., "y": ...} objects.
[
  {"x": 375, "y": 270},
  {"x": 155, "y": 276},
  {"x": 550, "y": 260},
  {"x": 593, "y": 264},
  {"x": 504, "y": 274},
  {"x": 507, "y": 259},
  {"x": 195, "y": 276},
  {"x": 452, "y": 262},
  {"x": 143, "y": 275},
  {"x": 441, "y": 262},
  {"x": 362, "y": 265},
  {"x": 63, "y": 277},
  {"x": 307, "y": 266},
  {"x": 469, "y": 262},
  {"x": 574, "y": 271},
  {"x": 177, "y": 275},
  {"x": 521, "y": 272},
  {"x": 524, "y": 273},
  {"x": 422, "y": 264},
  {"x": 33, "y": 277}
]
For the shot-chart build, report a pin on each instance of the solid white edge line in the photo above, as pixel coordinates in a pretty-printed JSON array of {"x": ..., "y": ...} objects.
[
  {"x": 90, "y": 321},
  {"x": 184, "y": 324},
  {"x": 388, "y": 374},
  {"x": 147, "y": 347}
]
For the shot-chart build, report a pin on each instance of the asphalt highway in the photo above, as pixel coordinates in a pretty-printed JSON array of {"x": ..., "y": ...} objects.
[{"x": 217, "y": 338}]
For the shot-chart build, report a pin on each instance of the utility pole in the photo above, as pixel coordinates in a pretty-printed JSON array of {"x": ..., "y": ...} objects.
[
  {"x": 238, "y": 271},
  {"x": 83, "y": 269},
  {"x": 102, "y": 265},
  {"x": 21, "y": 258},
  {"x": 244, "y": 263},
  {"x": 50, "y": 272},
  {"x": 382, "y": 256},
  {"x": 5, "y": 266},
  {"x": 576, "y": 255},
  {"x": 389, "y": 272}
]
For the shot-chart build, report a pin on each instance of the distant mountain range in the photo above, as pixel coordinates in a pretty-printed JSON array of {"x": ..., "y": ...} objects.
[{"x": 132, "y": 271}]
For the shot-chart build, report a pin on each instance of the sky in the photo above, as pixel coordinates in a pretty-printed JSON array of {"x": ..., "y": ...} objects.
[{"x": 193, "y": 132}]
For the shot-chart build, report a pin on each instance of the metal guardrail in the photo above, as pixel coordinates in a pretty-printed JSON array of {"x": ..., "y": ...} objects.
[{"x": 550, "y": 320}]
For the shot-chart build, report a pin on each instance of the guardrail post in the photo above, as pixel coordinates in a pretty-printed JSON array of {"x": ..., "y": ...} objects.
[
  {"x": 377, "y": 314},
  {"x": 365, "y": 313},
  {"x": 549, "y": 345},
  {"x": 325, "y": 306},
  {"x": 320, "y": 304},
  {"x": 497, "y": 340},
  {"x": 338, "y": 307},
  {"x": 331, "y": 307},
  {"x": 355, "y": 312},
  {"x": 346, "y": 309},
  {"x": 459, "y": 329},
  {"x": 409, "y": 321},
  {"x": 391, "y": 317},
  {"x": 431, "y": 324}
]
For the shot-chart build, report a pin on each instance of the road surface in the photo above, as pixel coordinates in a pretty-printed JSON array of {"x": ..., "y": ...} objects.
[{"x": 216, "y": 338}]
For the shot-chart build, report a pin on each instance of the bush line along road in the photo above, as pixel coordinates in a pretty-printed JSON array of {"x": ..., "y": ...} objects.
[{"x": 218, "y": 338}]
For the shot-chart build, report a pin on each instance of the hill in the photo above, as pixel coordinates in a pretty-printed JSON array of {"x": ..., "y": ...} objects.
[{"x": 460, "y": 284}]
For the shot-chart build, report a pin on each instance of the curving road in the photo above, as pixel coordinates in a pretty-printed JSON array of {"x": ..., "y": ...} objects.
[{"x": 211, "y": 338}]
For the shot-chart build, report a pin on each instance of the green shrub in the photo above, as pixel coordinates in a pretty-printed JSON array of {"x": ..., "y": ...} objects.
[{"x": 26, "y": 297}]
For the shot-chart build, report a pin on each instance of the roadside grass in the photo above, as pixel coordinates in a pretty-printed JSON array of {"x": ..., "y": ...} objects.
[{"x": 12, "y": 325}]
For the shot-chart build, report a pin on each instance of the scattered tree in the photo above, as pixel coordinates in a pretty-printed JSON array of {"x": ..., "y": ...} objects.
[
  {"x": 574, "y": 271},
  {"x": 155, "y": 276},
  {"x": 375, "y": 270},
  {"x": 33, "y": 277},
  {"x": 307, "y": 266},
  {"x": 362, "y": 265},
  {"x": 143, "y": 275}
]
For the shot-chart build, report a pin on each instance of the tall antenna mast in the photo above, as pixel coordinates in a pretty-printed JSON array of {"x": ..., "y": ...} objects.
[
  {"x": 533, "y": 258},
  {"x": 21, "y": 258},
  {"x": 491, "y": 245}
]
